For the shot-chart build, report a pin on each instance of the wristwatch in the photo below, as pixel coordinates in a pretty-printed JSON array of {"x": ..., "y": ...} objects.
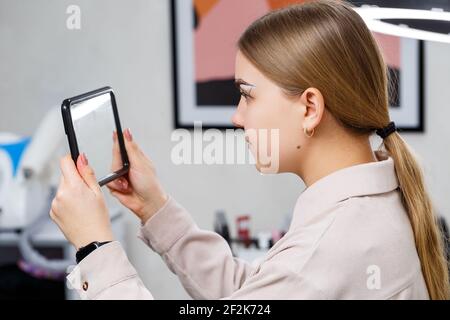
[{"x": 83, "y": 252}]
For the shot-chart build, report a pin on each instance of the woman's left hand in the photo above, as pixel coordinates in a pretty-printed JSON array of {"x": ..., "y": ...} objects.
[{"x": 79, "y": 208}]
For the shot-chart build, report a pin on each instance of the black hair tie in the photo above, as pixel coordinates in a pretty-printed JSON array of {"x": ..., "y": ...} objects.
[{"x": 386, "y": 131}]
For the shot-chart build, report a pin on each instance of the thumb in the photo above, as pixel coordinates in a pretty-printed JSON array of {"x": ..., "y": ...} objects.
[{"x": 86, "y": 172}]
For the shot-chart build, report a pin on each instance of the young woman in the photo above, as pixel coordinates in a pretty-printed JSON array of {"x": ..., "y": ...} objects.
[{"x": 364, "y": 227}]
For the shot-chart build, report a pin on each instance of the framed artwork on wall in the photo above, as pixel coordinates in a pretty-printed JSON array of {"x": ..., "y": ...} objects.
[
  {"x": 405, "y": 60},
  {"x": 204, "y": 37}
]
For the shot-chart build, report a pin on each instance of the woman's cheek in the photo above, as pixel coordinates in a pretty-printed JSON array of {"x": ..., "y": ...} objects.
[{"x": 291, "y": 145}]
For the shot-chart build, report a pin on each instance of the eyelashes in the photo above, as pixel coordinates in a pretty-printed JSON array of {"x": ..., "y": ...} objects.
[
  {"x": 244, "y": 94},
  {"x": 244, "y": 88}
]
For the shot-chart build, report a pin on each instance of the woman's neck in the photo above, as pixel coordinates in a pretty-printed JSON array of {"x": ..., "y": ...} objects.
[{"x": 328, "y": 156}]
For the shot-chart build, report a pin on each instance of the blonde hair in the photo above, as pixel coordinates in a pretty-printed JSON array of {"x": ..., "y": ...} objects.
[{"x": 326, "y": 45}]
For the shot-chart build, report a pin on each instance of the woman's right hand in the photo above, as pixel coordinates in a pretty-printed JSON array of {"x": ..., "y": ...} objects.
[{"x": 140, "y": 190}]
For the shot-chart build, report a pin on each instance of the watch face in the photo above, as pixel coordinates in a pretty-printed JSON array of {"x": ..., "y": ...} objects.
[
  {"x": 85, "y": 251},
  {"x": 91, "y": 245}
]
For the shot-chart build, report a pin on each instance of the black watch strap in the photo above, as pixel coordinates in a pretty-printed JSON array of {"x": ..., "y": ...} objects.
[{"x": 83, "y": 252}]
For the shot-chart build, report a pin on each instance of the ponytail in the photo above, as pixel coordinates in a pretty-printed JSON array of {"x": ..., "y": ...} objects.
[{"x": 427, "y": 234}]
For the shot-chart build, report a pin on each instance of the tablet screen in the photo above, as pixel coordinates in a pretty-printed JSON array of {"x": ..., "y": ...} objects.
[{"x": 94, "y": 124}]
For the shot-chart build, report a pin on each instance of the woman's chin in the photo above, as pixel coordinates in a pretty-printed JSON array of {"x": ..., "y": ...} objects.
[
  {"x": 267, "y": 169},
  {"x": 268, "y": 166}
]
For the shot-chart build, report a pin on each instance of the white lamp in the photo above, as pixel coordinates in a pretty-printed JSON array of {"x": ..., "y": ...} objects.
[{"x": 373, "y": 15}]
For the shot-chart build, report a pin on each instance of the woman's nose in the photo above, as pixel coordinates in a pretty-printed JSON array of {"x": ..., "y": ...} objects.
[{"x": 237, "y": 118}]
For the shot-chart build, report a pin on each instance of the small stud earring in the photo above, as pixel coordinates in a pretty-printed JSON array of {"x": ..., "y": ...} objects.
[{"x": 308, "y": 134}]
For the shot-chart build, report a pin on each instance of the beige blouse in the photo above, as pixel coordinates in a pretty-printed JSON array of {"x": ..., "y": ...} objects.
[{"x": 350, "y": 238}]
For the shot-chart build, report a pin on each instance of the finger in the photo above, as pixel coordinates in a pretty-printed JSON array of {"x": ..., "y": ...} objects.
[
  {"x": 52, "y": 215},
  {"x": 116, "y": 155},
  {"x": 131, "y": 149},
  {"x": 53, "y": 210},
  {"x": 87, "y": 173},
  {"x": 68, "y": 170},
  {"x": 120, "y": 184},
  {"x": 131, "y": 146},
  {"x": 61, "y": 181},
  {"x": 122, "y": 197}
]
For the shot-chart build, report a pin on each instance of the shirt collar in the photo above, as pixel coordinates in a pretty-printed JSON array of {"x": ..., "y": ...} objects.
[{"x": 356, "y": 181}]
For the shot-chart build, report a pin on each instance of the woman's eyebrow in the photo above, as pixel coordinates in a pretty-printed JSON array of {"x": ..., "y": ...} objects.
[{"x": 239, "y": 82}]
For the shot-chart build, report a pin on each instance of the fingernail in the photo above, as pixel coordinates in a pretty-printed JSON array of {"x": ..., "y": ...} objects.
[
  {"x": 124, "y": 184},
  {"x": 128, "y": 134},
  {"x": 84, "y": 159},
  {"x": 114, "y": 135}
]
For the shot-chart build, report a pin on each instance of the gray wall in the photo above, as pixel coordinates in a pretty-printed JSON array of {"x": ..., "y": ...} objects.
[{"x": 126, "y": 44}]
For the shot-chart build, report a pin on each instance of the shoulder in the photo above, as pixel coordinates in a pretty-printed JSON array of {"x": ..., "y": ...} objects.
[{"x": 370, "y": 238}]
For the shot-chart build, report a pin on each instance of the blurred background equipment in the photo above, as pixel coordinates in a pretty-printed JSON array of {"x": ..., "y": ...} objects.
[
  {"x": 28, "y": 171},
  {"x": 221, "y": 226},
  {"x": 243, "y": 229},
  {"x": 28, "y": 179},
  {"x": 29, "y": 176}
]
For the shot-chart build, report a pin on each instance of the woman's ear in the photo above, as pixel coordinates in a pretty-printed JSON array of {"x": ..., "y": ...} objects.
[{"x": 314, "y": 108}]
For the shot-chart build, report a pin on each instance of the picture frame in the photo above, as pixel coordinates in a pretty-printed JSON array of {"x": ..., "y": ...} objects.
[
  {"x": 203, "y": 64},
  {"x": 405, "y": 60}
]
